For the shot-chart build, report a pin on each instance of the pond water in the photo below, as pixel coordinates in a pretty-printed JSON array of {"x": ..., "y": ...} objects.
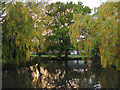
[{"x": 61, "y": 74}]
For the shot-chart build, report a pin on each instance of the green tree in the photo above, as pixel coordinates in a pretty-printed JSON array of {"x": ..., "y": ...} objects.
[
  {"x": 17, "y": 31},
  {"x": 80, "y": 28},
  {"x": 62, "y": 15},
  {"x": 118, "y": 35},
  {"x": 102, "y": 33},
  {"x": 108, "y": 33},
  {"x": 41, "y": 22},
  {"x": 23, "y": 27}
]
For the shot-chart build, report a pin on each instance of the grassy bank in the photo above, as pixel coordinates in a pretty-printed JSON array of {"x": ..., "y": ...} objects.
[
  {"x": 69, "y": 56},
  {"x": 35, "y": 59}
]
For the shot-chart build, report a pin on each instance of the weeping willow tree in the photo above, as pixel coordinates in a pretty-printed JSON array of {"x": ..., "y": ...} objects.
[
  {"x": 108, "y": 33},
  {"x": 78, "y": 29},
  {"x": 119, "y": 36},
  {"x": 23, "y": 27},
  {"x": 101, "y": 31},
  {"x": 17, "y": 31}
]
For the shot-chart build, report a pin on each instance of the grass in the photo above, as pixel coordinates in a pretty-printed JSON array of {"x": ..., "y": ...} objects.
[
  {"x": 77, "y": 56},
  {"x": 48, "y": 56},
  {"x": 34, "y": 55},
  {"x": 71, "y": 56}
]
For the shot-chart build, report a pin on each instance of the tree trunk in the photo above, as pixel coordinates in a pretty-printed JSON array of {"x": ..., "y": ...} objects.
[
  {"x": 66, "y": 53},
  {"x": 59, "y": 55},
  {"x": 21, "y": 58}
]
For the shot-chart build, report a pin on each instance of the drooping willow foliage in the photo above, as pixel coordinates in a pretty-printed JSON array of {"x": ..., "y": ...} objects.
[
  {"x": 22, "y": 30},
  {"x": 101, "y": 32},
  {"x": 17, "y": 30}
]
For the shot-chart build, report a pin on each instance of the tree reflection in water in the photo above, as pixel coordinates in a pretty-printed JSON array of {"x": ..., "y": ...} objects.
[
  {"x": 46, "y": 79},
  {"x": 63, "y": 74},
  {"x": 61, "y": 78}
]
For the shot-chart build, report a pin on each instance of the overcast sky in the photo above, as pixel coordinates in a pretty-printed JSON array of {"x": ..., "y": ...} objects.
[{"x": 90, "y": 3}]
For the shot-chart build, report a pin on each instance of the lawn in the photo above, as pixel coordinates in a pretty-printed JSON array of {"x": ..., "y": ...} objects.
[
  {"x": 70, "y": 56},
  {"x": 48, "y": 56},
  {"x": 77, "y": 56},
  {"x": 34, "y": 55}
]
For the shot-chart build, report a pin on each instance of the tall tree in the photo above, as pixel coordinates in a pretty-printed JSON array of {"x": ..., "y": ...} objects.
[
  {"x": 17, "y": 31},
  {"x": 108, "y": 33},
  {"x": 41, "y": 22},
  {"x": 80, "y": 31},
  {"x": 63, "y": 18},
  {"x": 102, "y": 33}
]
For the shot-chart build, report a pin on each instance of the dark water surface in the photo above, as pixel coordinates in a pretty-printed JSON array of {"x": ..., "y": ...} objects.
[{"x": 61, "y": 74}]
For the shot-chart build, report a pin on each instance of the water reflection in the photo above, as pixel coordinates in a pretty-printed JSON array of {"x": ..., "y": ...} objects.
[
  {"x": 46, "y": 79},
  {"x": 62, "y": 74},
  {"x": 58, "y": 79}
]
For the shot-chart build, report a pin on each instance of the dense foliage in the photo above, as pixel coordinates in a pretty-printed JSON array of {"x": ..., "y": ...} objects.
[
  {"x": 62, "y": 15},
  {"x": 23, "y": 26},
  {"x": 17, "y": 33},
  {"x": 35, "y": 27},
  {"x": 101, "y": 32}
]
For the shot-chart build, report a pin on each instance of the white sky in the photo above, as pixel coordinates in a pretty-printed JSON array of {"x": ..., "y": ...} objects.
[{"x": 91, "y": 3}]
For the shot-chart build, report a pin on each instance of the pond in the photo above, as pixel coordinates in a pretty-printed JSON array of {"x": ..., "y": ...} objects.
[{"x": 61, "y": 74}]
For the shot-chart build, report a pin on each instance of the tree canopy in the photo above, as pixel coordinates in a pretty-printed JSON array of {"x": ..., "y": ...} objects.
[
  {"x": 22, "y": 30},
  {"x": 101, "y": 31},
  {"x": 58, "y": 26},
  {"x": 62, "y": 15},
  {"x": 17, "y": 32}
]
